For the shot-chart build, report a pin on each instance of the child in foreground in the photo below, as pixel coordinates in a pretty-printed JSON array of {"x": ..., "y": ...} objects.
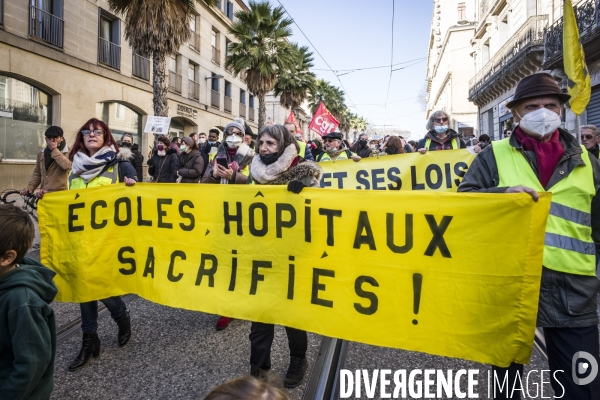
[{"x": 27, "y": 324}]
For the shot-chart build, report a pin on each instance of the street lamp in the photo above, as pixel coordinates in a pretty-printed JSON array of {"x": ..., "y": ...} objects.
[{"x": 217, "y": 76}]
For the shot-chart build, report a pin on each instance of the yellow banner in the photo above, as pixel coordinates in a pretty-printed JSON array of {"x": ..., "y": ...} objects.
[
  {"x": 448, "y": 274},
  {"x": 439, "y": 171}
]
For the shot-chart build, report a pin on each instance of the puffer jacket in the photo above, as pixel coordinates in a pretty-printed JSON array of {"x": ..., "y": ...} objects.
[
  {"x": 163, "y": 168},
  {"x": 191, "y": 166},
  {"x": 436, "y": 145},
  {"x": 566, "y": 300}
]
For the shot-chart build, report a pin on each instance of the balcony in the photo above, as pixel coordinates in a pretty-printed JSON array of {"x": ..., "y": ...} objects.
[
  {"x": 243, "y": 110},
  {"x": 195, "y": 41},
  {"x": 216, "y": 55},
  {"x": 519, "y": 56},
  {"x": 587, "y": 14},
  {"x": 43, "y": 25},
  {"x": 174, "y": 82},
  {"x": 215, "y": 99},
  {"x": 141, "y": 67},
  {"x": 251, "y": 114},
  {"x": 109, "y": 53},
  {"x": 227, "y": 104},
  {"x": 193, "y": 90}
]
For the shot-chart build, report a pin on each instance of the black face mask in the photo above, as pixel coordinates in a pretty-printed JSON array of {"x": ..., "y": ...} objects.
[
  {"x": 269, "y": 159},
  {"x": 362, "y": 143}
]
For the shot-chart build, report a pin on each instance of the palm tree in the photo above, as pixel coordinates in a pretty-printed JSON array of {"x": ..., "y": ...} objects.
[
  {"x": 294, "y": 85},
  {"x": 262, "y": 49},
  {"x": 331, "y": 96},
  {"x": 157, "y": 28}
]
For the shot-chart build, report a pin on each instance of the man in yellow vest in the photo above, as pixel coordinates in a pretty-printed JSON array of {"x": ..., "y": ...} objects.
[
  {"x": 335, "y": 149},
  {"x": 538, "y": 157}
]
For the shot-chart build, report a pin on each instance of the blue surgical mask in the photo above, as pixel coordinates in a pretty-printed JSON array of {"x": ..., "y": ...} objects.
[{"x": 441, "y": 129}]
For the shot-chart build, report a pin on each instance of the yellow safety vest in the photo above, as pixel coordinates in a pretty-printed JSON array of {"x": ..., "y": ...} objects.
[
  {"x": 108, "y": 177},
  {"x": 568, "y": 244},
  {"x": 454, "y": 143},
  {"x": 302, "y": 151},
  {"x": 343, "y": 156}
]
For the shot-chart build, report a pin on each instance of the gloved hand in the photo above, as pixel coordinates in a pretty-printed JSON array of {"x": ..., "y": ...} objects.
[{"x": 295, "y": 186}]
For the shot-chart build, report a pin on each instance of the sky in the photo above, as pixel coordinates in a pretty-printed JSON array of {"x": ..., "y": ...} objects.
[{"x": 355, "y": 34}]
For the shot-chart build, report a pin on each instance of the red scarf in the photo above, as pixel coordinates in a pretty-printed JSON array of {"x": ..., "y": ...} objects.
[{"x": 547, "y": 154}]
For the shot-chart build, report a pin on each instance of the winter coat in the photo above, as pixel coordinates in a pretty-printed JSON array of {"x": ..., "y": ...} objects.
[
  {"x": 566, "y": 300},
  {"x": 190, "y": 166},
  {"x": 244, "y": 152},
  {"x": 27, "y": 332},
  {"x": 175, "y": 147},
  {"x": 362, "y": 152},
  {"x": 163, "y": 168},
  {"x": 55, "y": 178},
  {"x": 435, "y": 145},
  {"x": 283, "y": 171},
  {"x": 138, "y": 162}
]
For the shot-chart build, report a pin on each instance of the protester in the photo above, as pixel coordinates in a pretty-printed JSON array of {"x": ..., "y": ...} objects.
[
  {"x": 98, "y": 161},
  {"x": 590, "y": 137},
  {"x": 413, "y": 145},
  {"x": 440, "y": 137},
  {"x": 137, "y": 159},
  {"x": 28, "y": 328},
  {"x": 246, "y": 388},
  {"x": 484, "y": 141},
  {"x": 279, "y": 163},
  {"x": 212, "y": 144},
  {"x": 51, "y": 165},
  {"x": 538, "y": 157},
  {"x": 335, "y": 150},
  {"x": 163, "y": 163},
  {"x": 201, "y": 140},
  {"x": 190, "y": 162},
  {"x": 175, "y": 145},
  {"x": 249, "y": 136},
  {"x": 393, "y": 146},
  {"x": 360, "y": 147},
  {"x": 407, "y": 147},
  {"x": 318, "y": 148},
  {"x": 305, "y": 151},
  {"x": 507, "y": 133},
  {"x": 194, "y": 136}
]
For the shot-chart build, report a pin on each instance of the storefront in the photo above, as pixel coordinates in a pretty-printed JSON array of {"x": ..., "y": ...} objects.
[{"x": 25, "y": 114}]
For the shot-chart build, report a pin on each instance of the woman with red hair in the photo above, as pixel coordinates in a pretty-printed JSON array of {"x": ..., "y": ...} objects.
[{"x": 98, "y": 161}]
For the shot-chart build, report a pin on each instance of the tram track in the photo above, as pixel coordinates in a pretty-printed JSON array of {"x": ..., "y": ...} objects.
[{"x": 72, "y": 327}]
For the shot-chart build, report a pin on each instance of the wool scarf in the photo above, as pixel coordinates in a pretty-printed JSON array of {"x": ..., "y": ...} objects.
[
  {"x": 262, "y": 173},
  {"x": 87, "y": 167},
  {"x": 237, "y": 159},
  {"x": 547, "y": 154}
]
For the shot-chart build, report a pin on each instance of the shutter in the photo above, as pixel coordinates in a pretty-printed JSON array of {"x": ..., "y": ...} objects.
[{"x": 593, "y": 108}]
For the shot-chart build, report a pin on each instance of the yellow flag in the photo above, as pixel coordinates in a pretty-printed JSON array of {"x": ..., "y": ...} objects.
[{"x": 579, "y": 84}]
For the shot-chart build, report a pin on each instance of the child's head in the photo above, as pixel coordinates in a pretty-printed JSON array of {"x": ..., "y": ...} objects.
[
  {"x": 16, "y": 235},
  {"x": 247, "y": 388}
]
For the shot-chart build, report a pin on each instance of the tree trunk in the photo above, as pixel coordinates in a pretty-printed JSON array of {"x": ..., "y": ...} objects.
[
  {"x": 262, "y": 109},
  {"x": 160, "y": 85}
]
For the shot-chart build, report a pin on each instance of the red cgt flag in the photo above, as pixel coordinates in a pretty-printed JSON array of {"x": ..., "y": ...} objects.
[
  {"x": 292, "y": 119},
  {"x": 323, "y": 122}
]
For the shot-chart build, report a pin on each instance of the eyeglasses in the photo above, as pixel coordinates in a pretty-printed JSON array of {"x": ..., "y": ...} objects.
[
  {"x": 329, "y": 140},
  {"x": 587, "y": 137},
  {"x": 440, "y": 120},
  {"x": 232, "y": 132},
  {"x": 96, "y": 132}
]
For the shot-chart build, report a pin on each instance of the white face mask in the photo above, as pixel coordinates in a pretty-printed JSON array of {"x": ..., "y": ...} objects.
[
  {"x": 541, "y": 121},
  {"x": 233, "y": 141},
  {"x": 202, "y": 141}
]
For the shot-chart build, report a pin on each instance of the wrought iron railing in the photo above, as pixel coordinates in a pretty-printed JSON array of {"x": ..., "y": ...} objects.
[
  {"x": 193, "y": 90},
  {"x": 587, "y": 14},
  {"x": 227, "y": 104},
  {"x": 195, "y": 41},
  {"x": 527, "y": 37},
  {"x": 141, "y": 67},
  {"x": 251, "y": 113},
  {"x": 216, "y": 55},
  {"x": 242, "y": 110},
  {"x": 43, "y": 25},
  {"x": 174, "y": 82},
  {"x": 215, "y": 99},
  {"x": 109, "y": 53}
]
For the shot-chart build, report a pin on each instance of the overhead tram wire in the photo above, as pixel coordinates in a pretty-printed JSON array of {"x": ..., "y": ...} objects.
[
  {"x": 377, "y": 67},
  {"x": 392, "y": 56},
  {"x": 317, "y": 51}
]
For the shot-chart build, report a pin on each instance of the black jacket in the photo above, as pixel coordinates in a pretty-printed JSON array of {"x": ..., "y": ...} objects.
[
  {"x": 191, "y": 166},
  {"x": 566, "y": 300},
  {"x": 363, "y": 152},
  {"x": 163, "y": 168},
  {"x": 138, "y": 162},
  {"x": 435, "y": 145}
]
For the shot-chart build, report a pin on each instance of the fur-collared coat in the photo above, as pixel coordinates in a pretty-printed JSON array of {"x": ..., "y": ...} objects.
[{"x": 282, "y": 172}]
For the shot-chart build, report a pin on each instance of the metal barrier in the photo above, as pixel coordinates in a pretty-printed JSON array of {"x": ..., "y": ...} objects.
[{"x": 43, "y": 25}]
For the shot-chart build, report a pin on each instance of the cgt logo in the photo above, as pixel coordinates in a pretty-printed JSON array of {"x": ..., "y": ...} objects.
[
  {"x": 324, "y": 125},
  {"x": 581, "y": 367}
]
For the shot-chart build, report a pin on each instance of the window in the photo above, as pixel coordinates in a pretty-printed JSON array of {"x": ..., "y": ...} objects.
[
  {"x": 215, "y": 98},
  {"x": 109, "y": 40},
  {"x": 216, "y": 53},
  {"x": 214, "y": 82},
  {"x": 193, "y": 85},
  {"x": 45, "y": 20},
  {"x": 242, "y": 96},
  {"x": 120, "y": 119},
  {"x": 503, "y": 30},
  {"x": 228, "y": 89},
  {"x": 485, "y": 53},
  {"x": 194, "y": 36},
  {"x": 174, "y": 77},
  {"x": 172, "y": 64},
  {"x": 141, "y": 66},
  {"x": 25, "y": 114},
  {"x": 228, "y": 100},
  {"x": 229, "y": 10},
  {"x": 193, "y": 24},
  {"x": 251, "y": 101}
]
